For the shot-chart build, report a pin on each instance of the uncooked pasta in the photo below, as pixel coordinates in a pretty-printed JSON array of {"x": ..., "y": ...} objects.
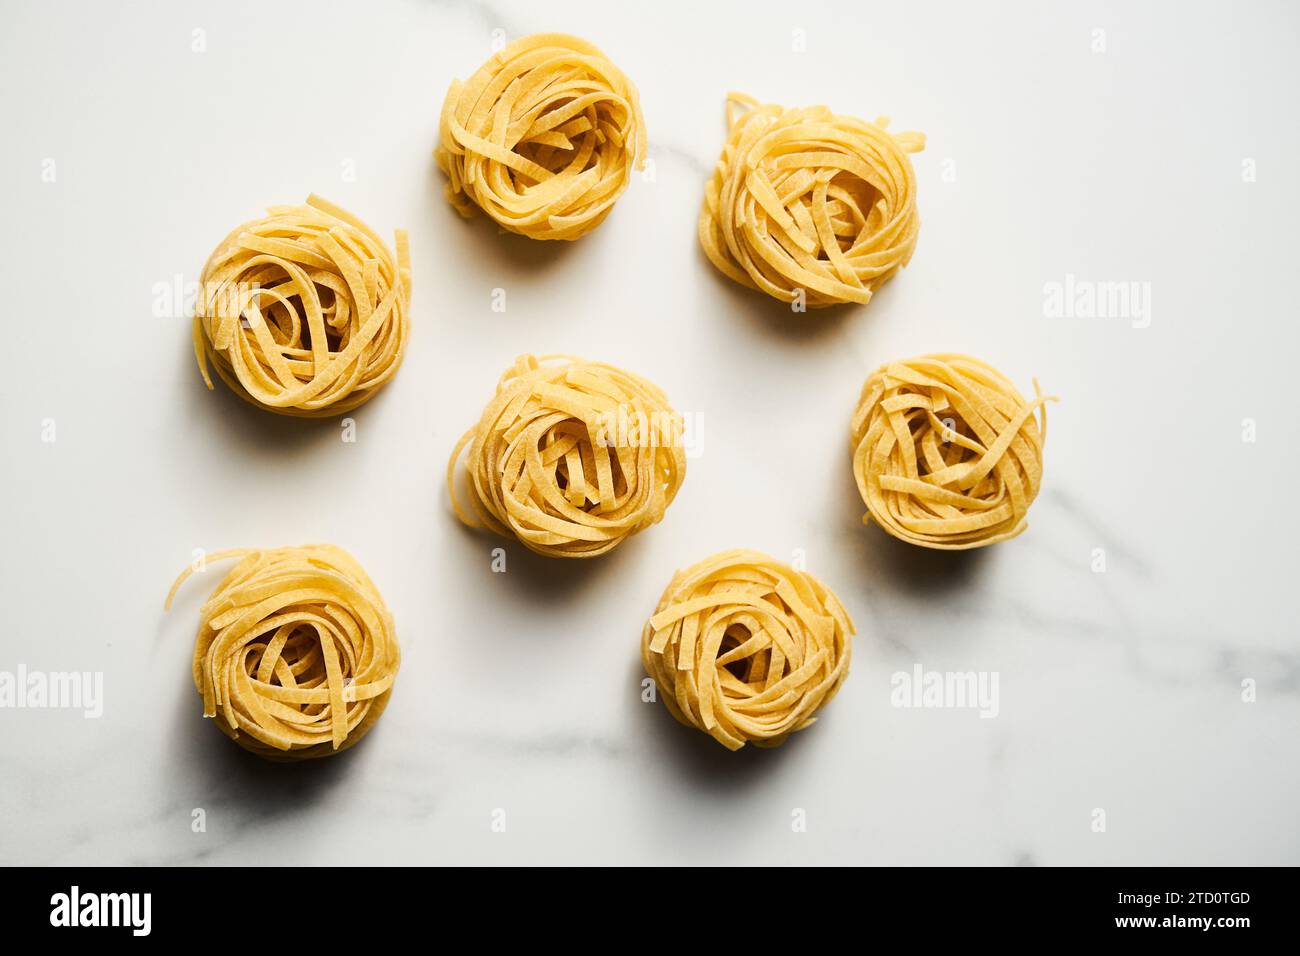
[
  {"x": 809, "y": 206},
  {"x": 946, "y": 452},
  {"x": 543, "y": 138},
  {"x": 304, "y": 312},
  {"x": 746, "y": 648},
  {"x": 296, "y": 652},
  {"x": 570, "y": 457}
]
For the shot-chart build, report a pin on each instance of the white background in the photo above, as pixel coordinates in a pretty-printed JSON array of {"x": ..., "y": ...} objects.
[{"x": 1119, "y": 691}]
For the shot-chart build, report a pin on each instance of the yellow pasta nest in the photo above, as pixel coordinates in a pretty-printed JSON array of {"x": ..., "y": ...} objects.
[
  {"x": 746, "y": 648},
  {"x": 304, "y": 312},
  {"x": 570, "y": 457},
  {"x": 296, "y": 653},
  {"x": 947, "y": 454},
  {"x": 543, "y": 138},
  {"x": 806, "y": 204}
]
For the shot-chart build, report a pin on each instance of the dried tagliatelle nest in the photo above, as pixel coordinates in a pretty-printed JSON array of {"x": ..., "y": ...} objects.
[
  {"x": 809, "y": 206},
  {"x": 304, "y": 312},
  {"x": 746, "y": 648},
  {"x": 543, "y": 138},
  {"x": 571, "y": 457},
  {"x": 946, "y": 452},
  {"x": 296, "y": 652}
]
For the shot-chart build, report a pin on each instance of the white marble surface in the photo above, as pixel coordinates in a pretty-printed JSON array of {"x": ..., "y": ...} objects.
[{"x": 1119, "y": 691}]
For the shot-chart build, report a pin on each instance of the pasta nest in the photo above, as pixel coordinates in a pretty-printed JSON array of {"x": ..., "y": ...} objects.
[
  {"x": 746, "y": 648},
  {"x": 571, "y": 457},
  {"x": 543, "y": 138},
  {"x": 304, "y": 312},
  {"x": 946, "y": 453},
  {"x": 296, "y": 652},
  {"x": 807, "y": 204}
]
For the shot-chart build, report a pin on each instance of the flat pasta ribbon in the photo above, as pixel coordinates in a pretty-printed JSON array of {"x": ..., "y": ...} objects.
[
  {"x": 946, "y": 453},
  {"x": 296, "y": 652},
  {"x": 543, "y": 138},
  {"x": 571, "y": 457},
  {"x": 304, "y": 312},
  {"x": 746, "y": 648},
  {"x": 808, "y": 204}
]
